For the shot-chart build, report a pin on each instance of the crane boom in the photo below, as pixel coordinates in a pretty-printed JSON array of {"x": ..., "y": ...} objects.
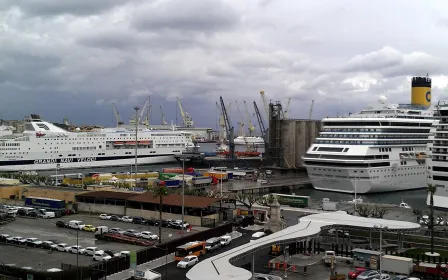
[
  {"x": 142, "y": 112},
  {"x": 186, "y": 118},
  {"x": 241, "y": 122},
  {"x": 229, "y": 129},
  {"x": 265, "y": 104},
  {"x": 311, "y": 110},
  {"x": 260, "y": 121},
  {"x": 163, "y": 121},
  {"x": 251, "y": 126},
  {"x": 117, "y": 115},
  {"x": 285, "y": 113}
]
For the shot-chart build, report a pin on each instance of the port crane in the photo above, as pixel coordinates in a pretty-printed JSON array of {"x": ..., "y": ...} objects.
[
  {"x": 311, "y": 110},
  {"x": 147, "y": 119},
  {"x": 241, "y": 123},
  {"x": 117, "y": 115},
  {"x": 139, "y": 118},
  {"x": 229, "y": 129},
  {"x": 265, "y": 103},
  {"x": 250, "y": 125},
  {"x": 163, "y": 121},
  {"x": 260, "y": 122},
  {"x": 186, "y": 118},
  {"x": 222, "y": 124},
  {"x": 286, "y": 111}
]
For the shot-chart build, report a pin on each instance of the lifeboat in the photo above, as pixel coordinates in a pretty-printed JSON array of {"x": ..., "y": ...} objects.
[
  {"x": 145, "y": 142},
  {"x": 130, "y": 143},
  {"x": 118, "y": 143}
]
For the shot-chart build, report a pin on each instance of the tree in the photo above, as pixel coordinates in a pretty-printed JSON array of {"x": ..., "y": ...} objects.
[
  {"x": 247, "y": 199},
  {"x": 160, "y": 191},
  {"x": 379, "y": 211},
  {"x": 265, "y": 200},
  {"x": 431, "y": 189},
  {"x": 364, "y": 210}
]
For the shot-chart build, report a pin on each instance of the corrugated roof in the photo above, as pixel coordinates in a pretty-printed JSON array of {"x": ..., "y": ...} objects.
[
  {"x": 176, "y": 200},
  {"x": 107, "y": 194}
]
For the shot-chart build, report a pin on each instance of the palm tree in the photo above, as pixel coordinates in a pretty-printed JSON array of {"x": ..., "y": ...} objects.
[
  {"x": 431, "y": 191},
  {"x": 160, "y": 191}
]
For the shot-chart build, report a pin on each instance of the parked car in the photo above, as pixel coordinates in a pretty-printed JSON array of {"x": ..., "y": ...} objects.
[
  {"x": 101, "y": 256},
  {"x": 367, "y": 275},
  {"x": 3, "y": 237},
  {"x": 48, "y": 245},
  {"x": 104, "y": 216},
  {"x": 76, "y": 249},
  {"x": 89, "y": 228},
  {"x": 384, "y": 276},
  {"x": 117, "y": 231},
  {"x": 225, "y": 240},
  {"x": 188, "y": 261},
  {"x": 132, "y": 233},
  {"x": 126, "y": 219},
  {"x": 14, "y": 239},
  {"x": 112, "y": 253},
  {"x": 138, "y": 220},
  {"x": 148, "y": 235},
  {"x": 259, "y": 276},
  {"x": 33, "y": 242},
  {"x": 32, "y": 214},
  {"x": 178, "y": 225},
  {"x": 354, "y": 273},
  {"x": 114, "y": 218},
  {"x": 21, "y": 212},
  {"x": 62, "y": 247},
  {"x": 61, "y": 224},
  {"x": 151, "y": 222},
  {"x": 90, "y": 251}
]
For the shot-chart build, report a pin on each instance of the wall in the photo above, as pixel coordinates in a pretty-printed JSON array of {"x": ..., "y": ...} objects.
[
  {"x": 192, "y": 220},
  {"x": 101, "y": 208},
  {"x": 297, "y": 137},
  {"x": 55, "y": 193}
]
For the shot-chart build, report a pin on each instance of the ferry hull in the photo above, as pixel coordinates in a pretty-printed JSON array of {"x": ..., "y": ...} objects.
[
  {"x": 440, "y": 201},
  {"x": 367, "y": 186},
  {"x": 142, "y": 159}
]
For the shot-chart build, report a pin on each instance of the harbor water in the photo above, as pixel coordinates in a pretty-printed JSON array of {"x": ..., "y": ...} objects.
[{"x": 415, "y": 198}]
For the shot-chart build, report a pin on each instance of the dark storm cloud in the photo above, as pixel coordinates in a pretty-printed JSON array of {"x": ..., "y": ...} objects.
[
  {"x": 52, "y": 8},
  {"x": 204, "y": 16}
]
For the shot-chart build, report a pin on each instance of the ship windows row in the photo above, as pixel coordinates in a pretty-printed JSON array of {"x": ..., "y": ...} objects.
[
  {"x": 375, "y": 136},
  {"x": 366, "y": 142},
  {"x": 440, "y": 178},
  {"x": 382, "y": 150},
  {"x": 382, "y": 130},
  {"x": 376, "y": 124},
  {"x": 369, "y": 157},
  {"x": 10, "y": 144},
  {"x": 344, "y": 164},
  {"x": 83, "y": 148}
]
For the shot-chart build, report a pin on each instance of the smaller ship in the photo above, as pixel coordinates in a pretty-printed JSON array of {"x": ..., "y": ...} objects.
[{"x": 249, "y": 141}]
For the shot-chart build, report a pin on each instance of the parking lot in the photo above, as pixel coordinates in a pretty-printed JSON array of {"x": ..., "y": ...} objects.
[{"x": 45, "y": 229}]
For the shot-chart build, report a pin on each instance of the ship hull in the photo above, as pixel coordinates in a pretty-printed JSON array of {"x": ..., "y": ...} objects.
[
  {"x": 210, "y": 162},
  {"x": 87, "y": 162},
  {"x": 367, "y": 186}
]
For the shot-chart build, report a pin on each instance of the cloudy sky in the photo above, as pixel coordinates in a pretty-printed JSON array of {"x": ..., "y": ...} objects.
[{"x": 75, "y": 58}]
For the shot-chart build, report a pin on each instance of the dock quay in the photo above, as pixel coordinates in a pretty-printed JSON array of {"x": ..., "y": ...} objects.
[{"x": 272, "y": 186}]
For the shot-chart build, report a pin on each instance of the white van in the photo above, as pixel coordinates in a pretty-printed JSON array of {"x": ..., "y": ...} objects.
[
  {"x": 225, "y": 240},
  {"x": 257, "y": 236},
  {"x": 329, "y": 257},
  {"x": 212, "y": 244},
  {"x": 42, "y": 213},
  {"x": 76, "y": 224}
]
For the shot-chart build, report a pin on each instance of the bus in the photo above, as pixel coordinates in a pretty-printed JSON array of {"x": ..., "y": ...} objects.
[
  {"x": 290, "y": 200},
  {"x": 364, "y": 258},
  {"x": 196, "y": 248}
]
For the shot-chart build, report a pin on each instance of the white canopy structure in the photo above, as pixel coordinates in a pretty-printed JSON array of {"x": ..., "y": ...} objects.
[{"x": 220, "y": 267}]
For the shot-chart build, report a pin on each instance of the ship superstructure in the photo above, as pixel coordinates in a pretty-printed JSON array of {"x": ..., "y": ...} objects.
[
  {"x": 44, "y": 146},
  {"x": 380, "y": 149}
]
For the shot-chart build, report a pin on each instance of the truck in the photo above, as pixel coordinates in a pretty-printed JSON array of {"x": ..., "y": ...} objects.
[
  {"x": 147, "y": 275},
  {"x": 102, "y": 233},
  {"x": 201, "y": 181},
  {"x": 397, "y": 265},
  {"x": 41, "y": 202}
]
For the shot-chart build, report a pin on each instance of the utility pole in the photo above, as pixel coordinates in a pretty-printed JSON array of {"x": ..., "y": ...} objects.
[
  {"x": 136, "y": 108},
  {"x": 183, "y": 193}
]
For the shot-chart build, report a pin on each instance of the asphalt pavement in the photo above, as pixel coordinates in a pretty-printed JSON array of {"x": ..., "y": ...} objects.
[{"x": 177, "y": 273}]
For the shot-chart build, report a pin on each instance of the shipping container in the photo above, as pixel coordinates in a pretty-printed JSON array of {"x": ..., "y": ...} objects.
[
  {"x": 210, "y": 154},
  {"x": 198, "y": 181},
  {"x": 230, "y": 175},
  {"x": 172, "y": 183},
  {"x": 42, "y": 202},
  {"x": 217, "y": 175},
  {"x": 167, "y": 176},
  {"x": 293, "y": 200}
]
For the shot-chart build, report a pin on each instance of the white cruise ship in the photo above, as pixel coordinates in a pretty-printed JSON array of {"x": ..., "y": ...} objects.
[
  {"x": 438, "y": 156},
  {"x": 380, "y": 149},
  {"x": 42, "y": 146}
]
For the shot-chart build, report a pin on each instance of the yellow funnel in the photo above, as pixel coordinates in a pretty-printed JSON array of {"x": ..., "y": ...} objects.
[{"x": 421, "y": 91}]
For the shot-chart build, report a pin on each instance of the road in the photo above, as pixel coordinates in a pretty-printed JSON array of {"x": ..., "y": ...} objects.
[{"x": 176, "y": 273}]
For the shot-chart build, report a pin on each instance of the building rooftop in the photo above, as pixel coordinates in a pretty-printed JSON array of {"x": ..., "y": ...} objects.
[
  {"x": 219, "y": 267},
  {"x": 107, "y": 195},
  {"x": 176, "y": 200}
]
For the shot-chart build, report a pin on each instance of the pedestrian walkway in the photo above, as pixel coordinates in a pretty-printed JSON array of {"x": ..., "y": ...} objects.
[
  {"x": 155, "y": 263},
  {"x": 297, "y": 260}
]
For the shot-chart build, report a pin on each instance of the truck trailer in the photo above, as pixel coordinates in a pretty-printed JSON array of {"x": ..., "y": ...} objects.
[
  {"x": 397, "y": 265},
  {"x": 42, "y": 202}
]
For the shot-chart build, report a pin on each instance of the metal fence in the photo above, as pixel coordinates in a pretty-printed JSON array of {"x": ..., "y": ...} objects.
[
  {"x": 207, "y": 222},
  {"x": 20, "y": 273},
  {"x": 102, "y": 269}
]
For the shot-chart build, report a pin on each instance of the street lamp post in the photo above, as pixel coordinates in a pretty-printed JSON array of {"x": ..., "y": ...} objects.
[
  {"x": 183, "y": 193},
  {"x": 56, "y": 178},
  {"x": 136, "y": 108},
  {"x": 77, "y": 253},
  {"x": 381, "y": 227}
]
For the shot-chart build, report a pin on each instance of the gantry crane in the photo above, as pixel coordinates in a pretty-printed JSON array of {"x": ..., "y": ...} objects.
[
  {"x": 285, "y": 113},
  {"x": 222, "y": 124},
  {"x": 265, "y": 104},
  {"x": 139, "y": 118},
  {"x": 186, "y": 118},
  {"x": 260, "y": 122},
  {"x": 241, "y": 123},
  {"x": 311, "y": 110},
  {"x": 229, "y": 129},
  {"x": 163, "y": 121},
  {"x": 117, "y": 115},
  {"x": 147, "y": 119},
  {"x": 250, "y": 125}
]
